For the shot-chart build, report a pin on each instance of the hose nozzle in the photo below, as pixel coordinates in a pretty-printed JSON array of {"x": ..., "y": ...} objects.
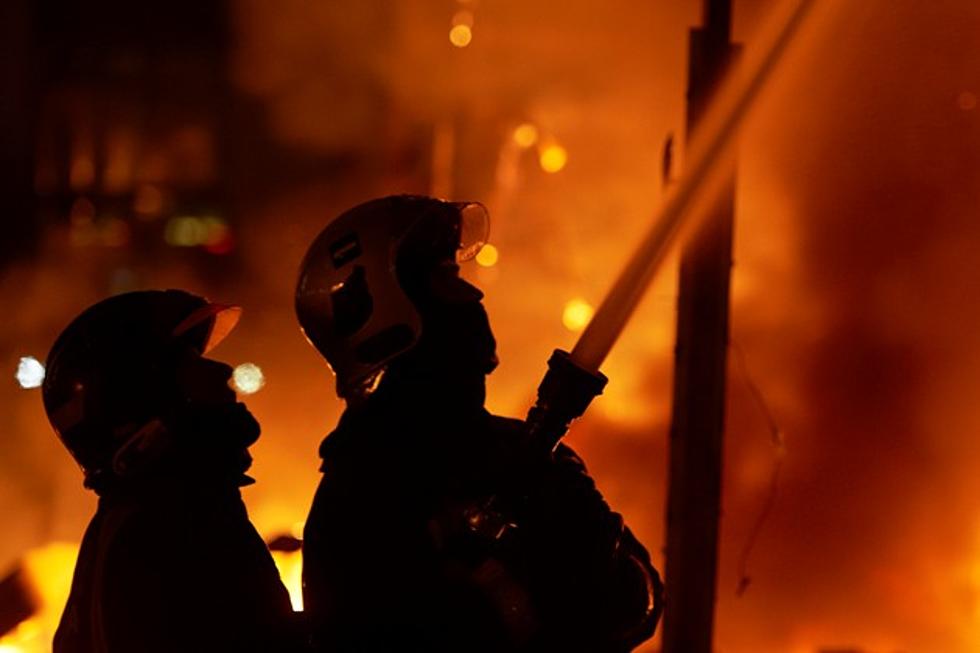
[{"x": 565, "y": 392}]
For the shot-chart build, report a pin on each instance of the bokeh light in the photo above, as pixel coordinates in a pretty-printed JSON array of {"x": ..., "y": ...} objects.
[
  {"x": 248, "y": 378},
  {"x": 30, "y": 372},
  {"x": 577, "y": 314},
  {"x": 460, "y": 35},
  {"x": 526, "y": 135},
  {"x": 210, "y": 232},
  {"x": 219, "y": 238},
  {"x": 553, "y": 158},
  {"x": 185, "y": 231},
  {"x": 488, "y": 256}
]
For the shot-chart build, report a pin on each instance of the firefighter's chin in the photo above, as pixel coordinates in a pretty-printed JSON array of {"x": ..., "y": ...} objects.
[{"x": 215, "y": 430}]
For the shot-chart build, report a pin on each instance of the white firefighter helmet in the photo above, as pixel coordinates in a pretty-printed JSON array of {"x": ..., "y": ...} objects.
[{"x": 354, "y": 295}]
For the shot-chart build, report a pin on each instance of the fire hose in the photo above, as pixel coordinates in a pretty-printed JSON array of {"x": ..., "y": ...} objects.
[{"x": 573, "y": 379}]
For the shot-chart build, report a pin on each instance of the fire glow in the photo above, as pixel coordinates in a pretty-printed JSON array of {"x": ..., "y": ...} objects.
[{"x": 855, "y": 248}]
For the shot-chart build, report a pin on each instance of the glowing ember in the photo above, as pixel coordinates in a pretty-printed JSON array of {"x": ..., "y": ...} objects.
[
  {"x": 577, "y": 314},
  {"x": 553, "y": 158},
  {"x": 488, "y": 256},
  {"x": 460, "y": 35},
  {"x": 248, "y": 378},
  {"x": 526, "y": 135},
  {"x": 30, "y": 372}
]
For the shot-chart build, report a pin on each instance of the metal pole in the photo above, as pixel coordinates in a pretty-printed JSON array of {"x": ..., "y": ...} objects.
[{"x": 696, "y": 434}]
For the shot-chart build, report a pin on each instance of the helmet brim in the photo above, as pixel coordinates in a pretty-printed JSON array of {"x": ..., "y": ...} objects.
[{"x": 224, "y": 318}]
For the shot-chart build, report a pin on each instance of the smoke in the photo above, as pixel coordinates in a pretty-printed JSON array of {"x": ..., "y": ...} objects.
[
  {"x": 853, "y": 300},
  {"x": 873, "y": 145}
]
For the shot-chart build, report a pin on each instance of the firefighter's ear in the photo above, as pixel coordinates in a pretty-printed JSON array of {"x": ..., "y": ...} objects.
[{"x": 145, "y": 446}]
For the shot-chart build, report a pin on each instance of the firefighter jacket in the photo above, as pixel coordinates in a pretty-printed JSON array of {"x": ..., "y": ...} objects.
[
  {"x": 173, "y": 564},
  {"x": 391, "y": 561}
]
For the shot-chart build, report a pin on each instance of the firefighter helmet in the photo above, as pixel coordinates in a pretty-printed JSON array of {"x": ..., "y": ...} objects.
[
  {"x": 357, "y": 288},
  {"x": 108, "y": 375}
]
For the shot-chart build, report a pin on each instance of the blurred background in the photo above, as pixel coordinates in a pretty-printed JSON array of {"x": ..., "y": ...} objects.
[{"x": 203, "y": 145}]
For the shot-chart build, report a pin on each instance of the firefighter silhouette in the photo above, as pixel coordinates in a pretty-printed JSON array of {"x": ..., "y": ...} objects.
[
  {"x": 398, "y": 554},
  {"x": 170, "y": 561}
]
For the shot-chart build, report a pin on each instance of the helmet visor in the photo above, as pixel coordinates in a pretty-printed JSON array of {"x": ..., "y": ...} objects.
[{"x": 474, "y": 229}]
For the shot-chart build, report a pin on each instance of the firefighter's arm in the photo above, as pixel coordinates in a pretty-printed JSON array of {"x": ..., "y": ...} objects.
[{"x": 591, "y": 566}]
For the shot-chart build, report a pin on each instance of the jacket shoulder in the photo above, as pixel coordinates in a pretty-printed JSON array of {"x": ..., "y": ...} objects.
[{"x": 506, "y": 427}]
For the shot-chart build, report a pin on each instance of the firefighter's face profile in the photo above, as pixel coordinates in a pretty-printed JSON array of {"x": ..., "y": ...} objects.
[
  {"x": 207, "y": 403},
  {"x": 458, "y": 335},
  {"x": 203, "y": 380}
]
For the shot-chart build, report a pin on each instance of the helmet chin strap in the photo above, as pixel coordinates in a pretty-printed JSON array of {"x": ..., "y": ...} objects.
[
  {"x": 225, "y": 434},
  {"x": 144, "y": 447}
]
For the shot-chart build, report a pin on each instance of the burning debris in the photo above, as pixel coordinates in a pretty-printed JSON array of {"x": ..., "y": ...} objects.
[{"x": 855, "y": 256}]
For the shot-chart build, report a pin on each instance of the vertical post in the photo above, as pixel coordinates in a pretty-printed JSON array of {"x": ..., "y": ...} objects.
[{"x": 697, "y": 424}]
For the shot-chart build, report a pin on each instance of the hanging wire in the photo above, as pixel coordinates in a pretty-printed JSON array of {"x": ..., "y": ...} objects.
[{"x": 779, "y": 447}]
